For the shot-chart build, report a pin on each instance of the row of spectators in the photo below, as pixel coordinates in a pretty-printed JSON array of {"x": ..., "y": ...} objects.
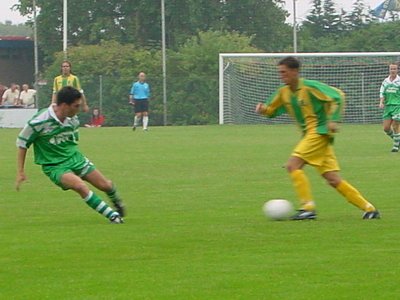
[{"x": 14, "y": 96}]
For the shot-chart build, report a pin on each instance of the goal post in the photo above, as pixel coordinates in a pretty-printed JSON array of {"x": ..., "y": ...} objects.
[{"x": 248, "y": 78}]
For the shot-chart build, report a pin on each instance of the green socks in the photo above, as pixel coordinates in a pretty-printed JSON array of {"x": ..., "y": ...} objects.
[
  {"x": 97, "y": 204},
  {"x": 390, "y": 133},
  {"x": 113, "y": 195},
  {"x": 396, "y": 140}
]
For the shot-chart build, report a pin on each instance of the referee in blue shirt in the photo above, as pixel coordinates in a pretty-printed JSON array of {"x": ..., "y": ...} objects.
[{"x": 139, "y": 98}]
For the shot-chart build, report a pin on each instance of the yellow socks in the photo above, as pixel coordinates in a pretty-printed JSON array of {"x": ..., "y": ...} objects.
[
  {"x": 303, "y": 189},
  {"x": 354, "y": 197}
]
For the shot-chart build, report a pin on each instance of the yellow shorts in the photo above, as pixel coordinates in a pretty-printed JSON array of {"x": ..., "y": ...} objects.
[{"x": 316, "y": 150}]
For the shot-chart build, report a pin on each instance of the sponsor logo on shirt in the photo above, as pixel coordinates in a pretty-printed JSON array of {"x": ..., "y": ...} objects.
[{"x": 62, "y": 138}]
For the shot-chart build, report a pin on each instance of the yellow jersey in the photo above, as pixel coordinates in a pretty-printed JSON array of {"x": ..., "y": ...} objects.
[
  {"x": 312, "y": 105},
  {"x": 62, "y": 81}
]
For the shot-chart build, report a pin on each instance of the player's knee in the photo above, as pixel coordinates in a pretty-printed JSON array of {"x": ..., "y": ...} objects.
[
  {"x": 80, "y": 188},
  {"x": 333, "y": 181},
  {"x": 387, "y": 127},
  {"x": 289, "y": 168}
]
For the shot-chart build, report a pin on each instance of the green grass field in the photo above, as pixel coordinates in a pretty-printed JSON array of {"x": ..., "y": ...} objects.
[{"x": 195, "y": 229}]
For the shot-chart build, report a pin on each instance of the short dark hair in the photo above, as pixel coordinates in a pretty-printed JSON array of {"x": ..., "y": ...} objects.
[
  {"x": 68, "y": 95},
  {"x": 291, "y": 62}
]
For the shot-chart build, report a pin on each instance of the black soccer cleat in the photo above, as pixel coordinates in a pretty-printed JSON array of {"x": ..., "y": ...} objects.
[
  {"x": 116, "y": 219},
  {"x": 304, "y": 215},
  {"x": 371, "y": 215},
  {"x": 395, "y": 149},
  {"x": 133, "y": 128},
  {"x": 120, "y": 208}
]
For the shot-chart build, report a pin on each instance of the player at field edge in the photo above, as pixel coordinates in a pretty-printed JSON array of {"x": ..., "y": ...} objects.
[
  {"x": 139, "y": 98},
  {"x": 68, "y": 79},
  {"x": 389, "y": 96},
  {"x": 53, "y": 132},
  {"x": 317, "y": 108}
]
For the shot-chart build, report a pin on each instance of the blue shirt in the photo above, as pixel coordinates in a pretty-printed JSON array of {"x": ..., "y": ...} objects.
[{"x": 140, "y": 90}]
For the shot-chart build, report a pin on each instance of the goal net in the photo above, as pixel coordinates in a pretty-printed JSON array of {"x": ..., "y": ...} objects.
[{"x": 246, "y": 79}]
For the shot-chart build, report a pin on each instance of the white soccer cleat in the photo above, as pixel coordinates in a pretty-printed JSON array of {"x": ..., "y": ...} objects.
[{"x": 116, "y": 219}]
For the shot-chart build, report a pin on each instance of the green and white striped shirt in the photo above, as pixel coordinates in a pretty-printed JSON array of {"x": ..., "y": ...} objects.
[
  {"x": 53, "y": 141},
  {"x": 390, "y": 91}
]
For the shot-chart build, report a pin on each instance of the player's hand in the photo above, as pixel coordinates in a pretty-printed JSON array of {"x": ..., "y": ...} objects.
[
  {"x": 333, "y": 127},
  {"x": 381, "y": 102},
  {"x": 21, "y": 177},
  {"x": 260, "y": 108}
]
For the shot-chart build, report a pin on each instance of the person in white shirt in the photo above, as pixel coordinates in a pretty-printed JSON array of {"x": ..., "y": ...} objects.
[
  {"x": 10, "y": 96},
  {"x": 27, "y": 97}
]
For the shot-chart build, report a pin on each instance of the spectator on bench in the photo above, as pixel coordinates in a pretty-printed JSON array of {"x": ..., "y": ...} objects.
[
  {"x": 10, "y": 96},
  {"x": 97, "y": 119},
  {"x": 27, "y": 97}
]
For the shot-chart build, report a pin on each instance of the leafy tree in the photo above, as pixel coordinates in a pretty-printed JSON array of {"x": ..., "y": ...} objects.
[
  {"x": 138, "y": 21},
  {"x": 314, "y": 23},
  {"x": 358, "y": 17},
  {"x": 331, "y": 18},
  {"x": 382, "y": 37},
  {"x": 193, "y": 88},
  {"x": 261, "y": 19}
]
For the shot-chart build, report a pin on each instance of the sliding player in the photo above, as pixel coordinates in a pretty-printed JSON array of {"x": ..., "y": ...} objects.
[
  {"x": 53, "y": 132},
  {"x": 316, "y": 107},
  {"x": 390, "y": 101}
]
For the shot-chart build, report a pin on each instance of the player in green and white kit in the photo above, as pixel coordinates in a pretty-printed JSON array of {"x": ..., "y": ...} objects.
[
  {"x": 53, "y": 132},
  {"x": 390, "y": 101}
]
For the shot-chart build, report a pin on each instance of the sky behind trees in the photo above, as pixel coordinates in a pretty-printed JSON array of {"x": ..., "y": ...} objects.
[{"x": 303, "y": 6}]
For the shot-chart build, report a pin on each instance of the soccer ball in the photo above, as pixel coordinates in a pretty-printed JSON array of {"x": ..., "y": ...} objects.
[{"x": 278, "y": 209}]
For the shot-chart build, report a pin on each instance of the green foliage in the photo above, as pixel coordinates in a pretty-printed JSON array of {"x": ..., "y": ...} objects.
[
  {"x": 262, "y": 19},
  {"x": 139, "y": 22},
  {"x": 381, "y": 37},
  {"x": 325, "y": 27},
  {"x": 193, "y": 89}
]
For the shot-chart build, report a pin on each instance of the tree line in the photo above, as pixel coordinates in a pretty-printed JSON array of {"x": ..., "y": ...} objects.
[{"x": 116, "y": 39}]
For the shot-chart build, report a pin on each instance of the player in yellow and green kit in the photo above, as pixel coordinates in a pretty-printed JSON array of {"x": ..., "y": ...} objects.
[
  {"x": 68, "y": 79},
  {"x": 390, "y": 101},
  {"x": 316, "y": 107}
]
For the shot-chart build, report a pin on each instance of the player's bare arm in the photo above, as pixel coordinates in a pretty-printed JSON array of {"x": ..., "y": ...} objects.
[
  {"x": 21, "y": 177},
  {"x": 85, "y": 106}
]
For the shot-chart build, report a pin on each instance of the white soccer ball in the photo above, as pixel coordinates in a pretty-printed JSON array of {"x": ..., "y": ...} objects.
[{"x": 278, "y": 209}]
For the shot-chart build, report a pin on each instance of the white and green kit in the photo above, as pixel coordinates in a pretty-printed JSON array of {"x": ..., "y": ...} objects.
[
  {"x": 390, "y": 92},
  {"x": 55, "y": 145}
]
